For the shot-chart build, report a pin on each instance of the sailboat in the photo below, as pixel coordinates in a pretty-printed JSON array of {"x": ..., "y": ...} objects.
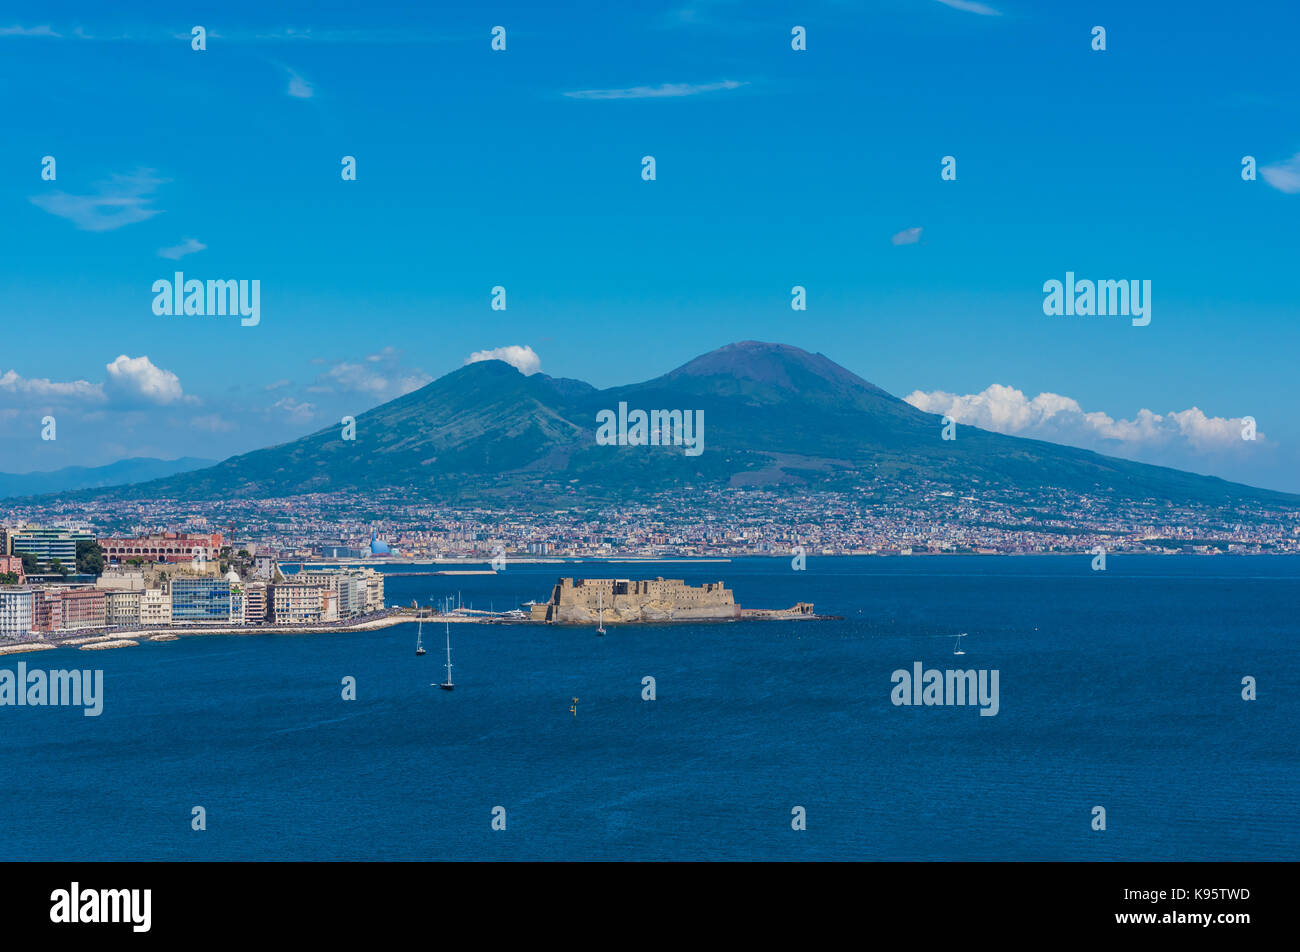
[
  {"x": 419, "y": 638},
  {"x": 600, "y": 609},
  {"x": 956, "y": 648},
  {"x": 447, "y": 685}
]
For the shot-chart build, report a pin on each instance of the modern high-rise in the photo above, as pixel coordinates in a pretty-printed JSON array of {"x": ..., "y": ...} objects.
[{"x": 49, "y": 544}]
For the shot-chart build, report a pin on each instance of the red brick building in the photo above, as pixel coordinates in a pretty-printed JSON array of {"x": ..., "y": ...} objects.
[
  {"x": 168, "y": 547},
  {"x": 84, "y": 608}
]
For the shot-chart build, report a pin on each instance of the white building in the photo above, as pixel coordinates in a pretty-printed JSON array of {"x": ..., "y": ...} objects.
[
  {"x": 17, "y": 604},
  {"x": 155, "y": 607}
]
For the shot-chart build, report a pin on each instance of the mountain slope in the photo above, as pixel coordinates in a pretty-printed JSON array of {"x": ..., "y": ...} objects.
[
  {"x": 774, "y": 415},
  {"x": 68, "y": 478}
]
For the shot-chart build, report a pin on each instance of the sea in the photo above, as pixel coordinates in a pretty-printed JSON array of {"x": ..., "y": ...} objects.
[{"x": 1119, "y": 689}]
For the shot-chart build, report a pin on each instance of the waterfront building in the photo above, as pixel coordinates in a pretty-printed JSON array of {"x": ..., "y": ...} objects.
[
  {"x": 374, "y": 590},
  {"x": 349, "y": 587},
  {"x": 17, "y": 611},
  {"x": 122, "y": 607},
  {"x": 236, "y": 605},
  {"x": 155, "y": 607},
  {"x": 47, "y": 610},
  {"x": 200, "y": 600},
  {"x": 254, "y": 603},
  {"x": 83, "y": 608},
  {"x": 299, "y": 603}
]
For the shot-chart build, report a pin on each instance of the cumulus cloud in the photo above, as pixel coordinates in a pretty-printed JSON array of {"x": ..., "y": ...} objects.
[
  {"x": 1283, "y": 176},
  {"x": 1060, "y": 419},
  {"x": 15, "y": 388},
  {"x": 662, "y": 91},
  {"x": 188, "y": 246},
  {"x": 136, "y": 381},
  {"x": 522, "y": 358},
  {"x": 908, "y": 236},
  {"x": 122, "y": 200}
]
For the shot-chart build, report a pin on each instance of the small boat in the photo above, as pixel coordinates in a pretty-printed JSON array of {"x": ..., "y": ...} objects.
[
  {"x": 956, "y": 648},
  {"x": 600, "y": 609},
  {"x": 447, "y": 685},
  {"x": 419, "y": 638}
]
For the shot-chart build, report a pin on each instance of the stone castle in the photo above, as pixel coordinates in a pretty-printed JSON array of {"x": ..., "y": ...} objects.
[{"x": 578, "y": 601}]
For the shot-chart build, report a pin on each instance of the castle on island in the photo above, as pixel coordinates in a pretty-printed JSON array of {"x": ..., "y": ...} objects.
[{"x": 586, "y": 601}]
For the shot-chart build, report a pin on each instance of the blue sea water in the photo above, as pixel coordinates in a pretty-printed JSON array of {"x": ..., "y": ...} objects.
[{"x": 1119, "y": 688}]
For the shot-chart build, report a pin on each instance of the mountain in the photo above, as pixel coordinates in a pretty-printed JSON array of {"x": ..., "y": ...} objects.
[
  {"x": 774, "y": 415},
  {"x": 69, "y": 478}
]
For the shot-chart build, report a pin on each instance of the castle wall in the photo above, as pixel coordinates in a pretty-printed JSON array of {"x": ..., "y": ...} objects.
[{"x": 625, "y": 601}]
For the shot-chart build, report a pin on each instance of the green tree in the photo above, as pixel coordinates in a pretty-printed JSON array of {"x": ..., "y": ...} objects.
[
  {"x": 56, "y": 566},
  {"x": 90, "y": 557},
  {"x": 8, "y": 578},
  {"x": 30, "y": 564}
]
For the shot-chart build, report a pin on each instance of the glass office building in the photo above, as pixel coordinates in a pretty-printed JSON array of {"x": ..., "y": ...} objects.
[{"x": 200, "y": 600}]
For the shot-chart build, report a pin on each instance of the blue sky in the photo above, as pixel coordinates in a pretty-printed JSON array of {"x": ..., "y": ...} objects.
[{"x": 774, "y": 168}]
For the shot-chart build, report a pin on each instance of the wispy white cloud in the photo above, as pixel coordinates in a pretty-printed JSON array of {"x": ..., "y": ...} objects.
[
  {"x": 122, "y": 200},
  {"x": 523, "y": 359},
  {"x": 1283, "y": 176},
  {"x": 908, "y": 236},
  {"x": 213, "y": 423},
  {"x": 29, "y": 31},
  {"x": 1060, "y": 419},
  {"x": 663, "y": 91},
  {"x": 188, "y": 246},
  {"x": 299, "y": 88},
  {"x": 296, "y": 411},
  {"x": 971, "y": 7},
  {"x": 378, "y": 375}
]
